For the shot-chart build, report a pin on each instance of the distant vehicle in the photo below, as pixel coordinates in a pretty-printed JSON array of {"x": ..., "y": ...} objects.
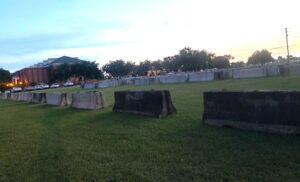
[
  {"x": 37, "y": 87},
  {"x": 7, "y": 91},
  {"x": 16, "y": 89},
  {"x": 55, "y": 85},
  {"x": 68, "y": 83},
  {"x": 29, "y": 88},
  {"x": 45, "y": 86}
]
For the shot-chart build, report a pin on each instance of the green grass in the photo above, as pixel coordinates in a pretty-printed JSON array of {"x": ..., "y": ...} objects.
[{"x": 47, "y": 143}]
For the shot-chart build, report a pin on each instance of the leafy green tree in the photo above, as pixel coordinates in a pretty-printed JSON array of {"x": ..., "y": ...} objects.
[
  {"x": 238, "y": 64},
  {"x": 260, "y": 57},
  {"x": 220, "y": 62},
  {"x": 61, "y": 73},
  {"x": 118, "y": 68},
  {"x": 5, "y": 76},
  {"x": 143, "y": 68},
  {"x": 87, "y": 70}
]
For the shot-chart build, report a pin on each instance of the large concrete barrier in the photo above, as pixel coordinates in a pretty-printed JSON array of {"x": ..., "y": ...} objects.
[
  {"x": 272, "y": 70},
  {"x": 57, "y": 98},
  {"x": 155, "y": 103},
  {"x": 253, "y": 72},
  {"x": 294, "y": 69},
  {"x": 201, "y": 76},
  {"x": 38, "y": 98},
  {"x": 90, "y": 85},
  {"x": 88, "y": 100},
  {"x": 174, "y": 78},
  {"x": 25, "y": 96},
  {"x": 222, "y": 74},
  {"x": 272, "y": 111},
  {"x": 140, "y": 81},
  {"x": 14, "y": 96}
]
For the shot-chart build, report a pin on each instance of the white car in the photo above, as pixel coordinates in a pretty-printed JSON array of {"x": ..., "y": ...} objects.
[
  {"x": 7, "y": 91},
  {"x": 37, "y": 87},
  {"x": 55, "y": 85},
  {"x": 16, "y": 89},
  {"x": 45, "y": 86},
  {"x": 68, "y": 83}
]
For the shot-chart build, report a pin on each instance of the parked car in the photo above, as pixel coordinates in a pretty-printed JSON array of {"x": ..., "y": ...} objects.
[
  {"x": 7, "y": 91},
  {"x": 68, "y": 83},
  {"x": 55, "y": 85},
  {"x": 45, "y": 86},
  {"x": 37, "y": 87},
  {"x": 16, "y": 89},
  {"x": 28, "y": 88}
]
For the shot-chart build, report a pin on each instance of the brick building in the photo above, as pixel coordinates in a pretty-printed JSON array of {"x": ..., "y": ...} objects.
[
  {"x": 41, "y": 72},
  {"x": 32, "y": 75}
]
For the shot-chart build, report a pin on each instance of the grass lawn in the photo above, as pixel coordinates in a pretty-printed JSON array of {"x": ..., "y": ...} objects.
[{"x": 48, "y": 143}]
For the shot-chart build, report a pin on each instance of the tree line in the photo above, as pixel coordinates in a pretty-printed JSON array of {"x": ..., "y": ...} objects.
[{"x": 186, "y": 60}]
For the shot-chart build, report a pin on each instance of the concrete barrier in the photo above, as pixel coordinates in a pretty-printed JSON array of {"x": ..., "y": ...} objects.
[
  {"x": 174, "y": 78},
  {"x": 25, "y": 96},
  {"x": 294, "y": 69},
  {"x": 14, "y": 96},
  {"x": 155, "y": 103},
  {"x": 88, "y": 100},
  {"x": 222, "y": 74},
  {"x": 272, "y": 70},
  {"x": 272, "y": 111},
  {"x": 253, "y": 72},
  {"x": 201, "y": 76},
  {"x": 90, "y": 85},
  {"x": 57, "y": 98},
  {"x": 140, "y": 81},
  {"x": 38, "y": 98}
]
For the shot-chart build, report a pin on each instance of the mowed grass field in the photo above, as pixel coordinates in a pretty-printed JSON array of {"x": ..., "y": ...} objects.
[{"x": 47, "y": 143}]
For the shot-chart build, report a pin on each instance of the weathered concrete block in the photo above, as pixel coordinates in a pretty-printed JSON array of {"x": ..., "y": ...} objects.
[
  {"x": 90, "y": 85},
  {"x": 14, "y": 96},
  {"x": 2, "y": 96},
  {"x": 38, "y": 97},
  {"x": 272, "y": 111},
  {"x": 57, "y": 98},
  {"x": 88, "y": 100},
  {"x": 174, "y": 78},
  {"x": 201, "y": 76},
  {"x": 140, "y": 81},
  {"x": 155, "y": 103},
  {"x": 272, "y": 70},
  {"x": 25, "y": 96},
  {"x": 253, "y": 72},
  {"x": 294, "y": 69}
]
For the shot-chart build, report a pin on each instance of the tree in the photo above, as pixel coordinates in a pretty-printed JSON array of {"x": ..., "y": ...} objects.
[
  {"x": 220, "y": 62},
  {"x": 238, "y": 64},
  {"x": 118, "y": 68},
  {"x": 260, "y": 57},
  {"x": 86, "y": 69},
  {"x": 188, "y": 60},
  {"x": 5, "y": 76},
  {"x": 143, "y": 68},
  {"x": 61, "y": 73}
]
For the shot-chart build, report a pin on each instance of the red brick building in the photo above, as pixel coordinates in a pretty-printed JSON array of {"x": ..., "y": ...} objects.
[{"x": 32, "y": 75}]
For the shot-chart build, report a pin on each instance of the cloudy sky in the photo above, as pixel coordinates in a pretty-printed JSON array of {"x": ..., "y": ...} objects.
[{"x": 135, "y": 30}]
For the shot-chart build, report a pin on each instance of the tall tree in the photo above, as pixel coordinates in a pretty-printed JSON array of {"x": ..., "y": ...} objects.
[
  {"x": 260, "y": 57},
  {"x": 118, "y": 68},
  {"x": 220, "y": 62},
  {"x": 5, "y": 76}
]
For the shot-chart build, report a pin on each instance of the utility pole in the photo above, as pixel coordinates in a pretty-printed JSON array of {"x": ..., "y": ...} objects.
[{"x": 287, "y": 45}]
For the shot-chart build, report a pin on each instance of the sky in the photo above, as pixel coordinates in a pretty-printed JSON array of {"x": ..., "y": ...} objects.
[{"x": 135, "y": 30}]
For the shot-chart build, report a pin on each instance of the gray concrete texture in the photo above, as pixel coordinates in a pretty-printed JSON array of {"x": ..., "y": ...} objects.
[
  {"x": 271, "y": 111},
  {"x": 88, "y": 100},
  {"x": 38, "y": 98},
  {"x": 57, "y": 98},
  {"x": 25, "y": 96}
]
